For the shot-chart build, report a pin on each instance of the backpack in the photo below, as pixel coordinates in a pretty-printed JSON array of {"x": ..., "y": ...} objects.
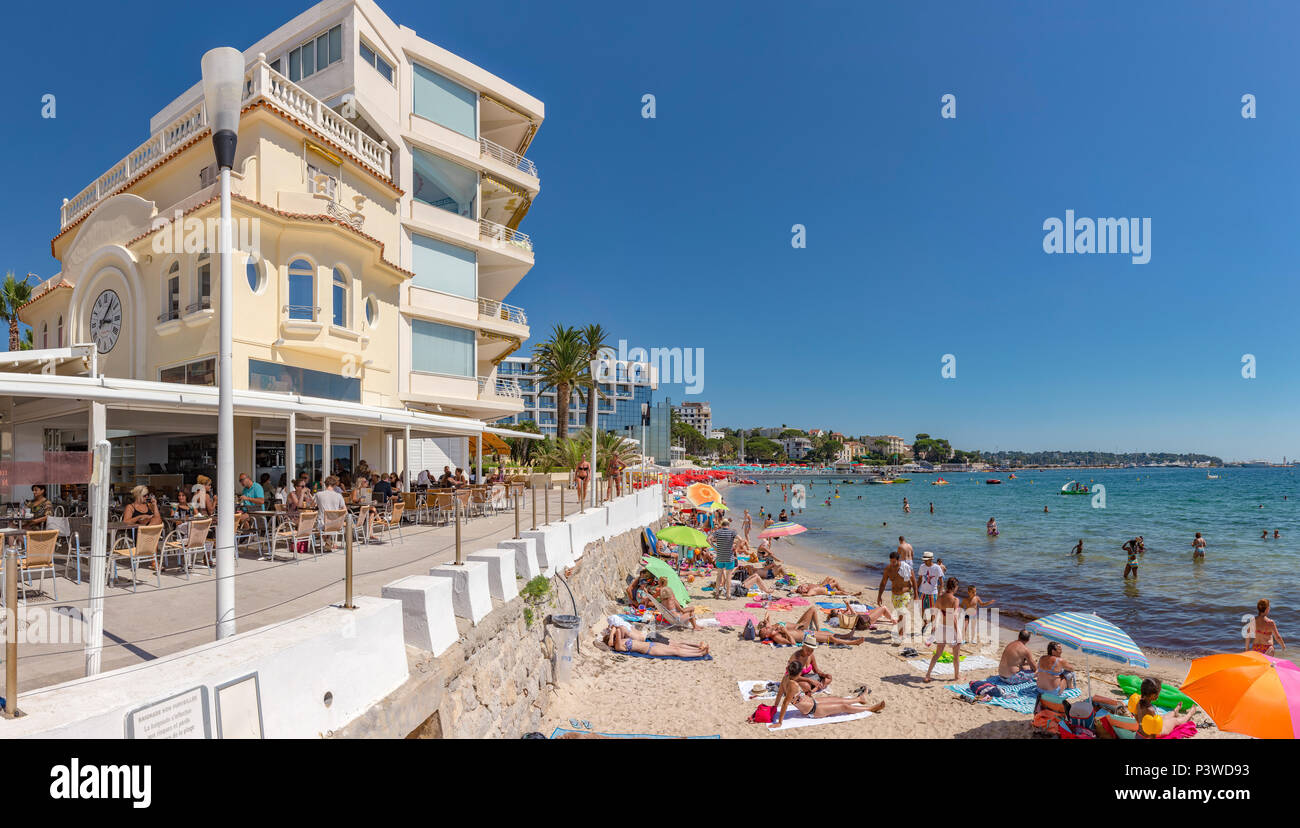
[
  {"x": 763, "y": 715},
  {"x": 750, "y": 633}
]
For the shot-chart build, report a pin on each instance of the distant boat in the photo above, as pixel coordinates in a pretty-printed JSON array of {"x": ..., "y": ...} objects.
[
  {"x": 993, "y": 481},
  {"x": 1074, "y": 488},
  {"x": 1211, "y": 477},
  {"x": 939, "y": 482}
]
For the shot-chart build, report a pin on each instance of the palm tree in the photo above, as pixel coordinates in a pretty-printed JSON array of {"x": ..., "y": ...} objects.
[
  {"x": 13, "y": 295},
  {"x": 562, "y": 363},
  {"x": 594, "y": 337},
  {"x": 610, "y": 445}
]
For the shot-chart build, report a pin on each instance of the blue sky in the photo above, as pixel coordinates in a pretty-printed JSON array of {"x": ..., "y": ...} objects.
[{"x": 924, "y": 235}]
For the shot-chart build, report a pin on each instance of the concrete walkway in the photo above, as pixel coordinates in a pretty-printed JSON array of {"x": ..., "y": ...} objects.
[{"x": 156, "y": 621}]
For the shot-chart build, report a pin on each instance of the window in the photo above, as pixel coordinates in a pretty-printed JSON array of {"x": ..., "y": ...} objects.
[
  {"x": 372, "y": 311},
  {"x": 440, "y": 183},
  {"x": 275, "y": 65},
  {"x": 60, "y": 345},
  {"x": 202, "y": 284},
  {"x": 320, "y": 182},
  {"x": 256, "y": 279},
  {"x": 286, "y": 379},
  {"x": 317, "y": 53},
  {"x": 444, "y": 267},
  {"x": 381, "y": 66},
  {"x": 442, "y": 349},
  {"x": 199, "y": 372},
  {"x": 339, "y": 295},
  {"x": 45, "y": 335},
  {"x": 171, "y": 293},
  {"x": 443, "y": 101}
]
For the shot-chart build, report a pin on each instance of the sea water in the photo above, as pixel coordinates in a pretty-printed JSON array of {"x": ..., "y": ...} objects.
[{"x": 1175, "y": 603}]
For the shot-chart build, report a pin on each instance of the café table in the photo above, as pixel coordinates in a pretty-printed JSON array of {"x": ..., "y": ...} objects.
[{"x": 270, "y": 520}]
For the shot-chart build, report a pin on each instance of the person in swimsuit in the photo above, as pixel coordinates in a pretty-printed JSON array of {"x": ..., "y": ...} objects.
[
  {"x": 970, "y": 606},
  {"x": 581, "y": 475},
  {"x": 859, "y": 617},
  {"x": 902, "y": 584},
  {"x": 791, "y": 692},
  {"x": 1017, "y": 663},
  {"x": 1078, "y": 547},
  {"x": 746, "y": 525},
  {"x": 1054, "y": 672},
  {"x": 907, "y": 509},
  {"x": 1151, "y": 723},
  {"x": 1130, "y": 547},
  {"x": 143, "y": 510},
  {"x": 618, "y": 640},
  {"x": 828, "y": 585},
  {"x": 666, "y": 597},
  {"x": 991, "y": 528},
  {"x": 1198, "y": 547},
  {"x": 947, "y": 632},
  {"x": 806, "y": 658},
  {"x": 1265, "y": 630}
]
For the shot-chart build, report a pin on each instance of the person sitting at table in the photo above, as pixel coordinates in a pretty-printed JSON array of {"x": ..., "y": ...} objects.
[
  {"x": 181, "y": 510},
  {"x": 298, "y": 500},
  {"x": 330, "y": 499},
  {"x": 383, "y": 491},
  {"x": 461, "y": 481},
  {"x": 445, "y": 479},
  {"x": 143, "y": 510},
  {"x": 202, "y": 503},
  {"x": 252, "y": 496},
  {"x": 423, "y": 478},
  {"x": 40, "y": 507}
]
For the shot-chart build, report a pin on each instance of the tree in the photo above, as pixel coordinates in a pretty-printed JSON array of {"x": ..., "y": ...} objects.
[
  {"x": 562, "y": 363},
  {"x": 13, "y": 295},
  {"x": 763, "y": 449},
  {"x": 521, "y": 449},
  {"x": 593, "y": 336},
  {"x": 690, "y": 438}
]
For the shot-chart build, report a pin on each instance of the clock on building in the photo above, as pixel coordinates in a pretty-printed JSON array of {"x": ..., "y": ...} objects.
[{"x": 106, "y": 321}]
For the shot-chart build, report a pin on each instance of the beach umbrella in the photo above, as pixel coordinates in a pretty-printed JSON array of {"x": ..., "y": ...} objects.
[
  {"x": 660, "y": 569},
  {"x": 1090, "y": 634},
  {"x": 1248, "y": 693},
  {"x": 780, "y": 530},
  {"x": 684, "y": 536},
  {"x": 698, "y": 493}
]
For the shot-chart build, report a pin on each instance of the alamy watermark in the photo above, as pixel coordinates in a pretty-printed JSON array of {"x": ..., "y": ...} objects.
[
  {"x": 179, "y": 234},
  {"x": 683, "y": 366},
  {"x": 1128, "y": 236}
]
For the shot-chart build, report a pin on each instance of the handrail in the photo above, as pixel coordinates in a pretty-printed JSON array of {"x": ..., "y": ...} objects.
[
  {"x": 494, "y": 150},
  {"x": 290, "y": 309},
  {"x": 500, "y": 234},
  {"x": 501, "y": 388},
  {"x": 261, "y": 82},
  {"x": 496, "y": 309}
]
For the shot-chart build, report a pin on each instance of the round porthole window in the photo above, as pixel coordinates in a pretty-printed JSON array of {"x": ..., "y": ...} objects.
[
  {"x": 256, "y": 276},
  {"x": 372, "y": 311}
]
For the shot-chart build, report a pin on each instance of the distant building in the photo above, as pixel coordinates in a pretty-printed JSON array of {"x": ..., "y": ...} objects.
[
  {"x": 697, "y": 415},
  {"x": 852, "y": 449},
  {"x": 717, "y": 434},
  {"x": 796, "y": 448}
]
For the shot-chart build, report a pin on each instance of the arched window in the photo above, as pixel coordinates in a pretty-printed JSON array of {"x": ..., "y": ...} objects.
[
  {"x": 45, "y": 335},
  {"x": 202, "y": 283},
  {"x": 256, "y": 277},
  {"x": 339, "y": 294},
  {"x": 302, "y": 290},
  {"x": 60, "y": 330},
  {"x": 171, "y": 293}
]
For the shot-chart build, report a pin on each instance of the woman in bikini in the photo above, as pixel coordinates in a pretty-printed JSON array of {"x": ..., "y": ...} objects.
[
  {"x": 793, "y": 692},
  {"x": 1054, "y": 672},
  {"x": 1151, "y": 723},
  {"x": 828, "y": 584},
  {"x": 665, "y": 595},
  {"x": 1265, "y": 630},
  {"x": 852, "y": 619},
  {"x": 617, "y": 639}
]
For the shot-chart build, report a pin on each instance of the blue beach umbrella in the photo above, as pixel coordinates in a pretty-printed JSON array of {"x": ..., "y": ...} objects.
[{"x": 1090, "y": 634}]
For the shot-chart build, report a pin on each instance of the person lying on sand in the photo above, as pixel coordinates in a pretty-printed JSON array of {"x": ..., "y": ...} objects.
[
  {"x": 792, "y": 692},
  {"x": 776, "y": 633},
  {"x": 749, "y": 577},
  {"x": 828, "y": 584},
  {"x": 618, "y": 640},
  {"x": 666, "y": 597},
  {"x": 851, "y": 618},
  {"x": 775, "y": 569}
]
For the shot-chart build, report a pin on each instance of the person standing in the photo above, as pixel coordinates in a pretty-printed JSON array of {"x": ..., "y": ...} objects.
[
  {"x": 1198, "y": 547},
  {"x": 747, "y": 525},
  {"x": 904, "y": 550},
  {"x": 723, "y": 540},
  {"x": 1265, "y": 630},
  {"x": 902, "y": 584},
  {"x": 947, "y": 631},
  {"x": 930, "y": 577},
  {"x": 581, "y": 476},
  {"x": 1131, "y": 548},
  {"x": 907, "y": 509}
]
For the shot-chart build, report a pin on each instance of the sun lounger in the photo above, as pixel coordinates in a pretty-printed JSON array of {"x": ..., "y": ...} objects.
[{"x": 674, "y": 620}]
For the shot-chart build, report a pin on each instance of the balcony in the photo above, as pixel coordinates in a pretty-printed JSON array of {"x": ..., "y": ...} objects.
[
  {"x": 495, "y": 387},
  {"x": 500, "y": 236},
  {"x": 493, "y": 309},
  {"x": 261, "y": 83},
  {"x": 491, "y": 149}
]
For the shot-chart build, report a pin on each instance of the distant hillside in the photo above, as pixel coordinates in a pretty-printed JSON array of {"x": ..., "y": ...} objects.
[{"x": 1092, "y": 458}]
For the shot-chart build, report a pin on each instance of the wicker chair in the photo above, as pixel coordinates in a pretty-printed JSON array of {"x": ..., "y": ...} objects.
[
  {"x": 189, "y": 542},
  {"x": 145, "y": 548},
  {"x": 39, "y": 558},
  {"x": 334, "y": 525},
  {"x": 391, "y": 522},
  {"x": 295, "y": 536}
]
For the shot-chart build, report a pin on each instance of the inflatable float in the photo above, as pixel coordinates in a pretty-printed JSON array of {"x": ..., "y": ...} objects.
[{"x": 1169, "y": 698}]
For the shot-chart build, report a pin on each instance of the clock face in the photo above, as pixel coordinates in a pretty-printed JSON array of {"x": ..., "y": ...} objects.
[{"x": 106, "y": 321}]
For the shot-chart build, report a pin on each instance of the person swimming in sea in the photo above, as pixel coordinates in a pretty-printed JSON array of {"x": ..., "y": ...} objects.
[
  {"x": 1078, "y": 547},
  {"x": 991, "y": 528}
]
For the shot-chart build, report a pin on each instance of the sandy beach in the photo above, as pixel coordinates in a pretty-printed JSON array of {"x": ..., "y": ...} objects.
[{"x": 702, "y": 698}]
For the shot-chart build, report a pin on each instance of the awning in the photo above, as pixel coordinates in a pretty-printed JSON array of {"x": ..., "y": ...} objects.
[
  {"x": 509, "y": 432},
  {"x": 492, "y": 444}
]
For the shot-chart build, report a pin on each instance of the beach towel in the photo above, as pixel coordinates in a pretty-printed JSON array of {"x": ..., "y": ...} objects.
[
  {"x": 560, "y": 731},
  {"x": 791, "y": 602},
  {"x": 669, "y": 658},
  {"x": 1020, "y": 698},
  {"x": 1186, "y": 730},
  {"x": 941, "y": 670},
  {"x": 708, "y": 622},
  {"x": 746, "y": 687},
  {"x": 734, "y": 618},
  {"x": 793, "y": 718}
]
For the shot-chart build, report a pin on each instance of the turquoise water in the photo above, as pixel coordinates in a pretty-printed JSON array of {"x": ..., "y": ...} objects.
[{"x": 1175, "y": 604}]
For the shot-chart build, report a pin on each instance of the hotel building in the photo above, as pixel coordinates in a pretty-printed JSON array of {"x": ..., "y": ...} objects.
[
  {"x": 697, "y": 415},
  {"x": 377, "y": 196}
]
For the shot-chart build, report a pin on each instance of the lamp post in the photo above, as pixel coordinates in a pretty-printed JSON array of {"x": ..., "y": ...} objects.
[
  {"x": 223, "y": 86},
  {"x": 645, "y": 421},
  {"x": 594, "y": 404}
]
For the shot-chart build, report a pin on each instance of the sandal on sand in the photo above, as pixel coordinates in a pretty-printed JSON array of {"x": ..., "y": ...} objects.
[{"x": 862, "y": 689}]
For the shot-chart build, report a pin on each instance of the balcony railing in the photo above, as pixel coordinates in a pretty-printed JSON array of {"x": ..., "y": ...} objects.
[
  {"x": 301, "y": 313},
  {"x": 203, "y": 304},
  {"x": 493, "y": 309},
  {"x": 169, "y": 314},
  {"x": 261, "y": 82},
  {"x": 500, "y": 235},
  {"x": 491, "y": 149},
  {"x": 488, "y": 386}
]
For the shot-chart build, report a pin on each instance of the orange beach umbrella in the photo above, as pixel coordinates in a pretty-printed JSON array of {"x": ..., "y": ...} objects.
[{"x": 1248, "y": 693}]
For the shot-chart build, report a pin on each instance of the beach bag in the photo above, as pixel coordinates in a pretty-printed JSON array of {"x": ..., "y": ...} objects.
[
  {"x": 763, "y": 715},
  {"x": 750, "y": 633},
  {"x": 985, "y": 688}
]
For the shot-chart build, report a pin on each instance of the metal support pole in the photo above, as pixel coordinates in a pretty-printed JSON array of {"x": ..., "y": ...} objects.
[
  {"x": 98, "y": 491},
  {"x": 349, "y": 530},
  {"x": 546, "y": 498},
  {"x": 11, "y": 632},
  {"x": 534, "y": 489},
  {"x": 226, "y": 427},
  {"x": 517, "y": 513},
  {"x": 456, "y": 500},
  {"x": 561, "y": 504}
]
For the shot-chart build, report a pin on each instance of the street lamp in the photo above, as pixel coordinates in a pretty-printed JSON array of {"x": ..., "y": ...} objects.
[
  {"x": 223, "y": 87},
  {"x": 645, "y": 421}
]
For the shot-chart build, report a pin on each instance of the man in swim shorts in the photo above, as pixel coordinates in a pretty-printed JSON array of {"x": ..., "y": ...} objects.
[
  {"x": 902, "y": 585},
  {"x": 1017, "y": 664},
  {"x": 723, "y": 539}
]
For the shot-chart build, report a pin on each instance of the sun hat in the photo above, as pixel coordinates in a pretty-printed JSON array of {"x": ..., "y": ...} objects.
[
  {"x": 927, "y": 556},
  {"x": 810, "y": 641}
]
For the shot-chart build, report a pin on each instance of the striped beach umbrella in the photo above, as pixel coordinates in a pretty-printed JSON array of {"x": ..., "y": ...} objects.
[
  {"x": 780, "y": 530},
  {"x": 1092, "y": 635}
]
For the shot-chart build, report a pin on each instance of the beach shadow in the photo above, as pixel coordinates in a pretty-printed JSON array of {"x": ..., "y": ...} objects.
[
  {"x": 998, "y": 730},
  {"x": 906, "y": 679}
]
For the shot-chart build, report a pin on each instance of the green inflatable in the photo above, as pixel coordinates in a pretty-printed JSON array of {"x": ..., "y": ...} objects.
[{"x": 1169, "y": 697}]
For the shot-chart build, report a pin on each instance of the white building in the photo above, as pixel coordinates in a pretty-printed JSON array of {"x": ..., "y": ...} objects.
[{"x": 698, "y": 415}]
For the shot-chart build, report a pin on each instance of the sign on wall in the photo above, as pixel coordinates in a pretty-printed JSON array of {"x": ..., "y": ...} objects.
[{"x": 182, "y": 716}]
